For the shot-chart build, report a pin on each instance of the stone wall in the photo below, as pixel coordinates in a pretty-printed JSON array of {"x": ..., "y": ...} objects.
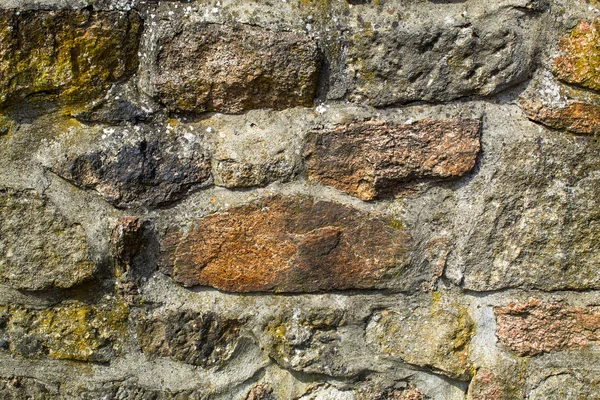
[{"x": 299, "y": 199}]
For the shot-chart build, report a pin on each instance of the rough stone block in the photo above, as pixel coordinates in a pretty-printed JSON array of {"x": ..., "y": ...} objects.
[
  {"x": 579, "y": 61},
  {"x": 435, "y": 335},
  {"x": 534, "y": 327},
  {"x": 70, "y": 331},
  {"x": 206, "y": 340},
  {"x": 39, "y": 247},
  {"x": 307, "y": 341},
  {"x": 288, "y": 244},
  {"x": 368, "y": 159},
  {"x": 438, "y": 61},
  {"x": 146, "y": 169},
  {"x": 74, "y": 54},
  {"x": 234, "y": 68},
  {"x": 538, "y": 227}
]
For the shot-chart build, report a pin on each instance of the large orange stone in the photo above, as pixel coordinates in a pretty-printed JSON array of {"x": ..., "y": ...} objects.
[
  {"x": 287, "y": 244},
  {"x": 372, "y": 158}
]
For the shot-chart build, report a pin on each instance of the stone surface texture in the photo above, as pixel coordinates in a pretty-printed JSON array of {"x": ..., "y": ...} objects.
[
  {"x": 230, "y": 69},
  {"x": 299, "y": 199},
  {"x": 287, "y": 244},
  {"x": 444, "y": 333},
  {"x": 39, "y": 247},
  {"x": 366, "y": 159},
  {"x": 579, "y": 61},
  {"x": 76, "y": 54},
  {"x": 534, "y": 327}
]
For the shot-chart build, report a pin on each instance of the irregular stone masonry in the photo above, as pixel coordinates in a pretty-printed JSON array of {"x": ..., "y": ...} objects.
[
  {"x": 299, "y": 199},
  {"x": 560, "y": 106}
]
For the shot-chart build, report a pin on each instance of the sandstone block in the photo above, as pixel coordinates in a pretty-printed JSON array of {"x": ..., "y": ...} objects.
[
  {"x": 434, "y": 335},
  {"x": 534, "y": 327},
  {"x": 576, "y": 117},
  {"x": 74, "y": 54},
  {"x": 579, "y": 61},
  {"x": 537, "y": 228},
  {"x": 288, "y": 244},
  {"x": 230, "y": 69},
  {"x": 39, "y": 247},
  {"x": 368, "y": 159}
]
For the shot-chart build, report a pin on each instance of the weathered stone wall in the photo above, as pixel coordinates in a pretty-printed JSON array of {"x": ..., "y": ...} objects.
[{"x": 299, "y": 199}]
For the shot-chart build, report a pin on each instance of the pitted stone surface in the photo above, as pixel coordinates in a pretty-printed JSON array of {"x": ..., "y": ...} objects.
[
  {"x": 289, "y": 244},
  {"x": 367, "y": 159},
  {"x": 307, "y": 341},
  {"x": 438, "y": 62}
]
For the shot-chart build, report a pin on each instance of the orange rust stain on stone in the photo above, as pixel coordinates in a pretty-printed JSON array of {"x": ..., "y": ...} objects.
[
  {"x": 576, "y": 117},
  {"x": 287, "y": 244}
]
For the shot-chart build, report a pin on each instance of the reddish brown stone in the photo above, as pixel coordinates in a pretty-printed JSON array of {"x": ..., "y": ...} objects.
[
  {"x": 576, "y": 117},
  {"x": 534, "y": 327},
  {"x": 212, "y": 67},
  {"x": 579, "y": 62},
  {"x": 261, "y": 392},
  {"x": 287, "y": 244},
  {"x": 127, "y": 239},
  {"x": 487, "y": 386},
  {"x": 368, "y": 159}
]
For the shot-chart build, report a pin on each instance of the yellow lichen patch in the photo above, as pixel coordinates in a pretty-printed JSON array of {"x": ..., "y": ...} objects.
[
  {"x": 396, "y": 224},
  {"x": 437, "y": 336},
  {"x": 68, "y": 332},
  {"x": 68, "y": 55},
  {"x": 579, "y": 62},
  {"x": 73, "y": 330},
  {"x": 6, "y": 125}
]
